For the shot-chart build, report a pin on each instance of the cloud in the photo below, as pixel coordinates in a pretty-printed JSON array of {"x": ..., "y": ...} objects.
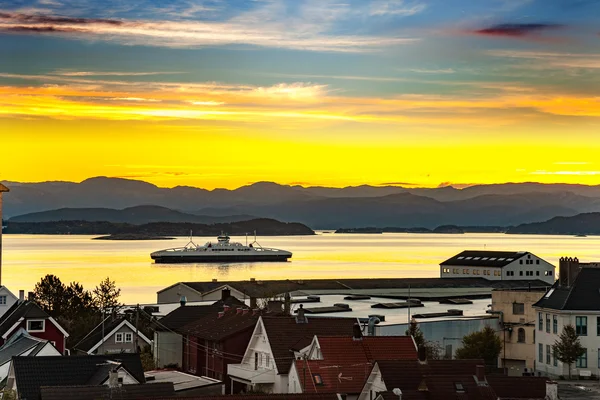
[
  {"x": 269, "y": 26},
  {"x": 517, "y": 30},
  {"x": 580, "y": 173},
  {"x": 456, "y": 185},
  {"x": 207, "y": 103},
  {"x": 395, "y": 7},
  {"x": 111, "y": 73},
  {"x": 552, "y": 59},
  {"x": 433, "y": 71}
]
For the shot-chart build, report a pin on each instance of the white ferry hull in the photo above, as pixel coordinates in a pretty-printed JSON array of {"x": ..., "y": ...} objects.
[{"x": 180, "y": 258}]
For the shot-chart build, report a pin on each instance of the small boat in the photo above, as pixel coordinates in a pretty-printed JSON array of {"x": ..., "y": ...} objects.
[
  {"x": 223, "y": 251},
  {"x": 580, "y": 235}
]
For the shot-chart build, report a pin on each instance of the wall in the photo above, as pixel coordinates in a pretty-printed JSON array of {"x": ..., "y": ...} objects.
[
  {"x": 110, "y": 346},
  {"x": 502, "y": 301},
  {"x": 51, "y": 333},
  {"x": 373, "y": 385},
  {"x": 11, "y": 299},
  {"x": 495, "y": 274},
  {"x": 445, "y": 333},
  {"x": 173, "y": 294},
  {"x": 168, "y": 348}
]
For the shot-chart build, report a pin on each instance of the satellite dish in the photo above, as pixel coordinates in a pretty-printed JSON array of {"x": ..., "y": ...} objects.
[{"x": 397, "y": 392}]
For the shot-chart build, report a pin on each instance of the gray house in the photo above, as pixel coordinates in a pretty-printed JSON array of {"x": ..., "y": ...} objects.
[{"x": 113, "y": 335}]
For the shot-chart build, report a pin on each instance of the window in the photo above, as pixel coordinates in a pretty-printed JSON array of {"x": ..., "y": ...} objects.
[
  {"x": 541, "y": 351},
  {"x": 554, "y": 360},
  {"x": 554, "y": 324},
  {"x": 537, "y": 262},
  {"x": 446, "y": 270},
  {"x": 548, "y": 323},
  {"x": 582, "y": 360},
  {"x": 317, "y": 379},
  {"x": 465, "y": 271},
  {"x": 520, "y": 261},
  {"x": 581, "y": 326},
  {"x": 548, "y": 354},
  {"x": 2, "y": 300},
  {"x": 267, "y": 360},
  {"x": 129, "y": 337},
  {"x": 548, "y": 273},
  {"x": 119, "y": 337},
  {"x": 36, "y": 325},
  {"x": 459, "y": 387},
  {"x": 598, "y": 328},
  {"x": 520, "y": 273},
  {"x": 518, "y": 308},
  {"x": 521, "y": 335},
  {"x": 540, "y": 322}
]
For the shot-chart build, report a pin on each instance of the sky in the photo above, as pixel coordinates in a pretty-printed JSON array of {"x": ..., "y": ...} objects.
[{"x": 223, "y": 93}]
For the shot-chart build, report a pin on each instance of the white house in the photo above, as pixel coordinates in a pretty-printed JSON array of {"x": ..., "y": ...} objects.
[
  {"x": 574, "y": 299},
  {"x": 7, "y": 299},
  {"x": 23, "y": 344},
  {"x": 275, "y": 344},
  {"x": 498, "y": 266}
]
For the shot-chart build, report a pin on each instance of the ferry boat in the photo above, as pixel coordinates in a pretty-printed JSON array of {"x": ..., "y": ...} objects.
[{"x": 223, "y": 251}]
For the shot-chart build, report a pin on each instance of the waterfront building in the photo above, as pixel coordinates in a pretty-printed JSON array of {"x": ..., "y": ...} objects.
[
  {"x": 3, "y": 189},
  {"x": 517, "y": 328},
  {"x": 573, "y": 300},
  {"x": 498, "y": 265}
]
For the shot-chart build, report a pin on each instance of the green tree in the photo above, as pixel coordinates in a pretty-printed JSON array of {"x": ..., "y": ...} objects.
[
  {"x": 49, "y": 294},
  {"x": 414, "y": 331},
  {"x": 484, "y": 344},
  {"x": 106, "y": 294},
  {"x": 567, "y": 348}
]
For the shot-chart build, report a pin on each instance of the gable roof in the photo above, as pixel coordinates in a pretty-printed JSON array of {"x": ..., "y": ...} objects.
[
  {"x": 483, "y": 258},
  {"x": 408, "y": 375},
  {"x": 186, "y": 315},
  {"x": 518, "y": 387},
  {"x": 31, "y": 373},
  {"x": 94, "y": 339},
  {"x": 19, "y": 344},
  {"x": 125, "y": 392},
  {"x": 285, "y": 332},
  {"x": 21, "y": 309},
  {"x": 582, "y": 295},
  {"x": 3, "y": 188},
  {"x": 348, "y": 377},
  {"x": 216, "y": 328}
]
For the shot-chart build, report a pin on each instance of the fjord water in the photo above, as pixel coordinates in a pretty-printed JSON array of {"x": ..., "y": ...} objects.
[{"x": 27, "y": 258}]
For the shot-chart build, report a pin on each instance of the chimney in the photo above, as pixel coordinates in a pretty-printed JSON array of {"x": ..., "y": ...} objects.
[
  {"x": 300, "y": 318},
  {"x": 568, "y": 269},
  {"x": 113, "y": 378},
  {"x": 225, "y": 294},
  {"x": 21, "y": 295},
  {"x": 252, "y": 280},
  {"x": 287, "y": 304},
  {"x": 214, "y": 280},
  {"x": 30, "y": 296},
  {"x": 422, "y": 354},
  {"x": 551, "y": 390},
  {"x": 238, "y": 310},
  {"x": 182, "y": 301},
  {"x": 220, "y": 314},
  {"x": 480, "y": 373},
  {"x": 356, "y": 332}
]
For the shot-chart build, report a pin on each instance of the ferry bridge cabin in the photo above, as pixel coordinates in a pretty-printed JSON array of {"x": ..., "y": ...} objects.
[{"x": 498, "y": 265}]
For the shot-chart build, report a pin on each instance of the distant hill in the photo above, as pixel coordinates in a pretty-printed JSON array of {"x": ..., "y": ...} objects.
[
  {"x": 118, "y": 200},
  {"x": 131, "y": 215},
  {"x": 581, "y": 224},
  {"x": 262, "y": 226}
]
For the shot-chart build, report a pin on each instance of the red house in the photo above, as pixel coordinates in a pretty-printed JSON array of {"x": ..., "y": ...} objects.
[{"x": 29, "y": 316}]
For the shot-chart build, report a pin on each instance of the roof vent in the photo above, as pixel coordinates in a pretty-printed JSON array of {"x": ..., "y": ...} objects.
[
  {"x": 214, "y": 280},
  {"x": 182, "y": 300}
]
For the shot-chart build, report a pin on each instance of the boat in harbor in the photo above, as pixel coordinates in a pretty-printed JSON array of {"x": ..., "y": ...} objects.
[{"x": 223, "y": 251}]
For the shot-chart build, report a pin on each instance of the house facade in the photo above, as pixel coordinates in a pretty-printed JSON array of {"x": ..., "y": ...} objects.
[
  {"x": 113, "y": 336},
  {"x": 7, "y": 299},
  {"x": 573, "y": 300},
  {"x": 498, "y": 265},
  {"x": 30, "y": 317},
  {"x": 517, "y": 328},
  {"x": 22, "y": 344}
]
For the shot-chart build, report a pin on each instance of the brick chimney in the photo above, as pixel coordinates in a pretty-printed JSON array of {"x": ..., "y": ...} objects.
[
  {"x": 301, "y": 318},
  {"x": 356, "y": 332},
  {"x": 422, "y": 352},
  {"x": 225, "y": 294},
  {"x": 568, "y": 270},
  {"x": 480, "y": 373}
]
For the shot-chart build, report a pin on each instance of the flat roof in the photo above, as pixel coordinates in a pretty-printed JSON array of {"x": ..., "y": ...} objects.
[{"x": 181, "y": 381}]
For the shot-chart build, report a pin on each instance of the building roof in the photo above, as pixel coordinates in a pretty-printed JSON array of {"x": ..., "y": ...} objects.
[
  {"x": 518, "y": 387},
  {"x": 285, "y": 332},
  {"x": 216, "y": 327},
  {"x": 459, "y": 387},
  {"x": 20, "y": 343},
  {"x": 583, "y": 295},
  {"x": 408, "y": 375},
  {"x": 180, "y": 380},
  {"x": 93, "y": 339},
  {"x": 372, "y": 348},
  {"x": 31, "y": 373},
  {"x": 269, "y": 396},
  {"x": 124, "y": 392},
  {"x": 3, "y": 188},
  {"x": 185, "y": 315},
  {"x": 483, "y": 258},
  {"x": 21, "y": 309}
]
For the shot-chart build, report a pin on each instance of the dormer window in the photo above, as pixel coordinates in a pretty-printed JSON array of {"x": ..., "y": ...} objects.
[
  {"x": 36, "y": 325},
  {"x": 459, "y": 387},
  {"x": 2, "y": 300}
]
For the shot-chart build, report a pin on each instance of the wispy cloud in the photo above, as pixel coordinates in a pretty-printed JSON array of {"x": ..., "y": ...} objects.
[
  {"x": 396, "y": 7},
  {"x": 518, "y": 30},
  {"x": 433, "y": 71},
  {"x": 552, "y": 59},
  {"x": 582, "y": 173},
  {"x": 111, "y": 73}
]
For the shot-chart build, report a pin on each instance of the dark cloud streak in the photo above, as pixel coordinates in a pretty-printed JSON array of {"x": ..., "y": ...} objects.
[
  {"x": 43, "y": 19},
  {"x": 36, "y": 29},
  {"x": 516, "y": 30}
]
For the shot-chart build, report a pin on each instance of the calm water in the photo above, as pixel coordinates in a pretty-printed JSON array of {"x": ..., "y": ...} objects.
[{"x": 78, "y": 258}]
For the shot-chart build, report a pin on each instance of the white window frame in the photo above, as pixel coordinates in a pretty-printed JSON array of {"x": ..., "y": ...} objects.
[
  {"x": 126, "y": 336},
  {"x": 3, "y": 300},
  {"x": 43, "y": 321},
  {"x": 117, "y": 336}
]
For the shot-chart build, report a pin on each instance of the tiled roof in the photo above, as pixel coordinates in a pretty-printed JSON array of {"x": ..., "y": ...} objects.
[
  {"x": 459, "y": 387},
  {"x": 583, "y": 295},
  {"x": 31, "y": 373},
  {"x": 390, "y": 348},
  {"x": 185, "y": 315},
  {"x": 279, "y": 396},
  {"x": 408, "y": 375},
  {"x": 3, "y": 188},
  {"x": 322, "y": 376},
  {"x": 18, "y": 346},
  {"x": 214, "y": 327},
  {"x": 125, "y": 392},
  {"x": 482, "y": 258},
  {"x": 21, "y": 309},
  {"x": 285, "y": 332},
  {"x": 518, "y": 387}
]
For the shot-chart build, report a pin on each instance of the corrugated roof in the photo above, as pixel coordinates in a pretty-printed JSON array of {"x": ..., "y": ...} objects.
[
  {"x": 583, "y": 295},
  {"x": 483, "y": 258},
  {"x": 215, "y": 327}
]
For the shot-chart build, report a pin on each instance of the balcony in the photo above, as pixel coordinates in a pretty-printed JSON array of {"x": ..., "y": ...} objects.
[{"x": 247, "y": 373}]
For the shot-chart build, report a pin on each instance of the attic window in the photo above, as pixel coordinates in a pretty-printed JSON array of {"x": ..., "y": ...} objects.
[
  {"x": 36, "y": 325},
  {"x": 317, "y": 379},
  {"x": 459, "y": 387}
]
